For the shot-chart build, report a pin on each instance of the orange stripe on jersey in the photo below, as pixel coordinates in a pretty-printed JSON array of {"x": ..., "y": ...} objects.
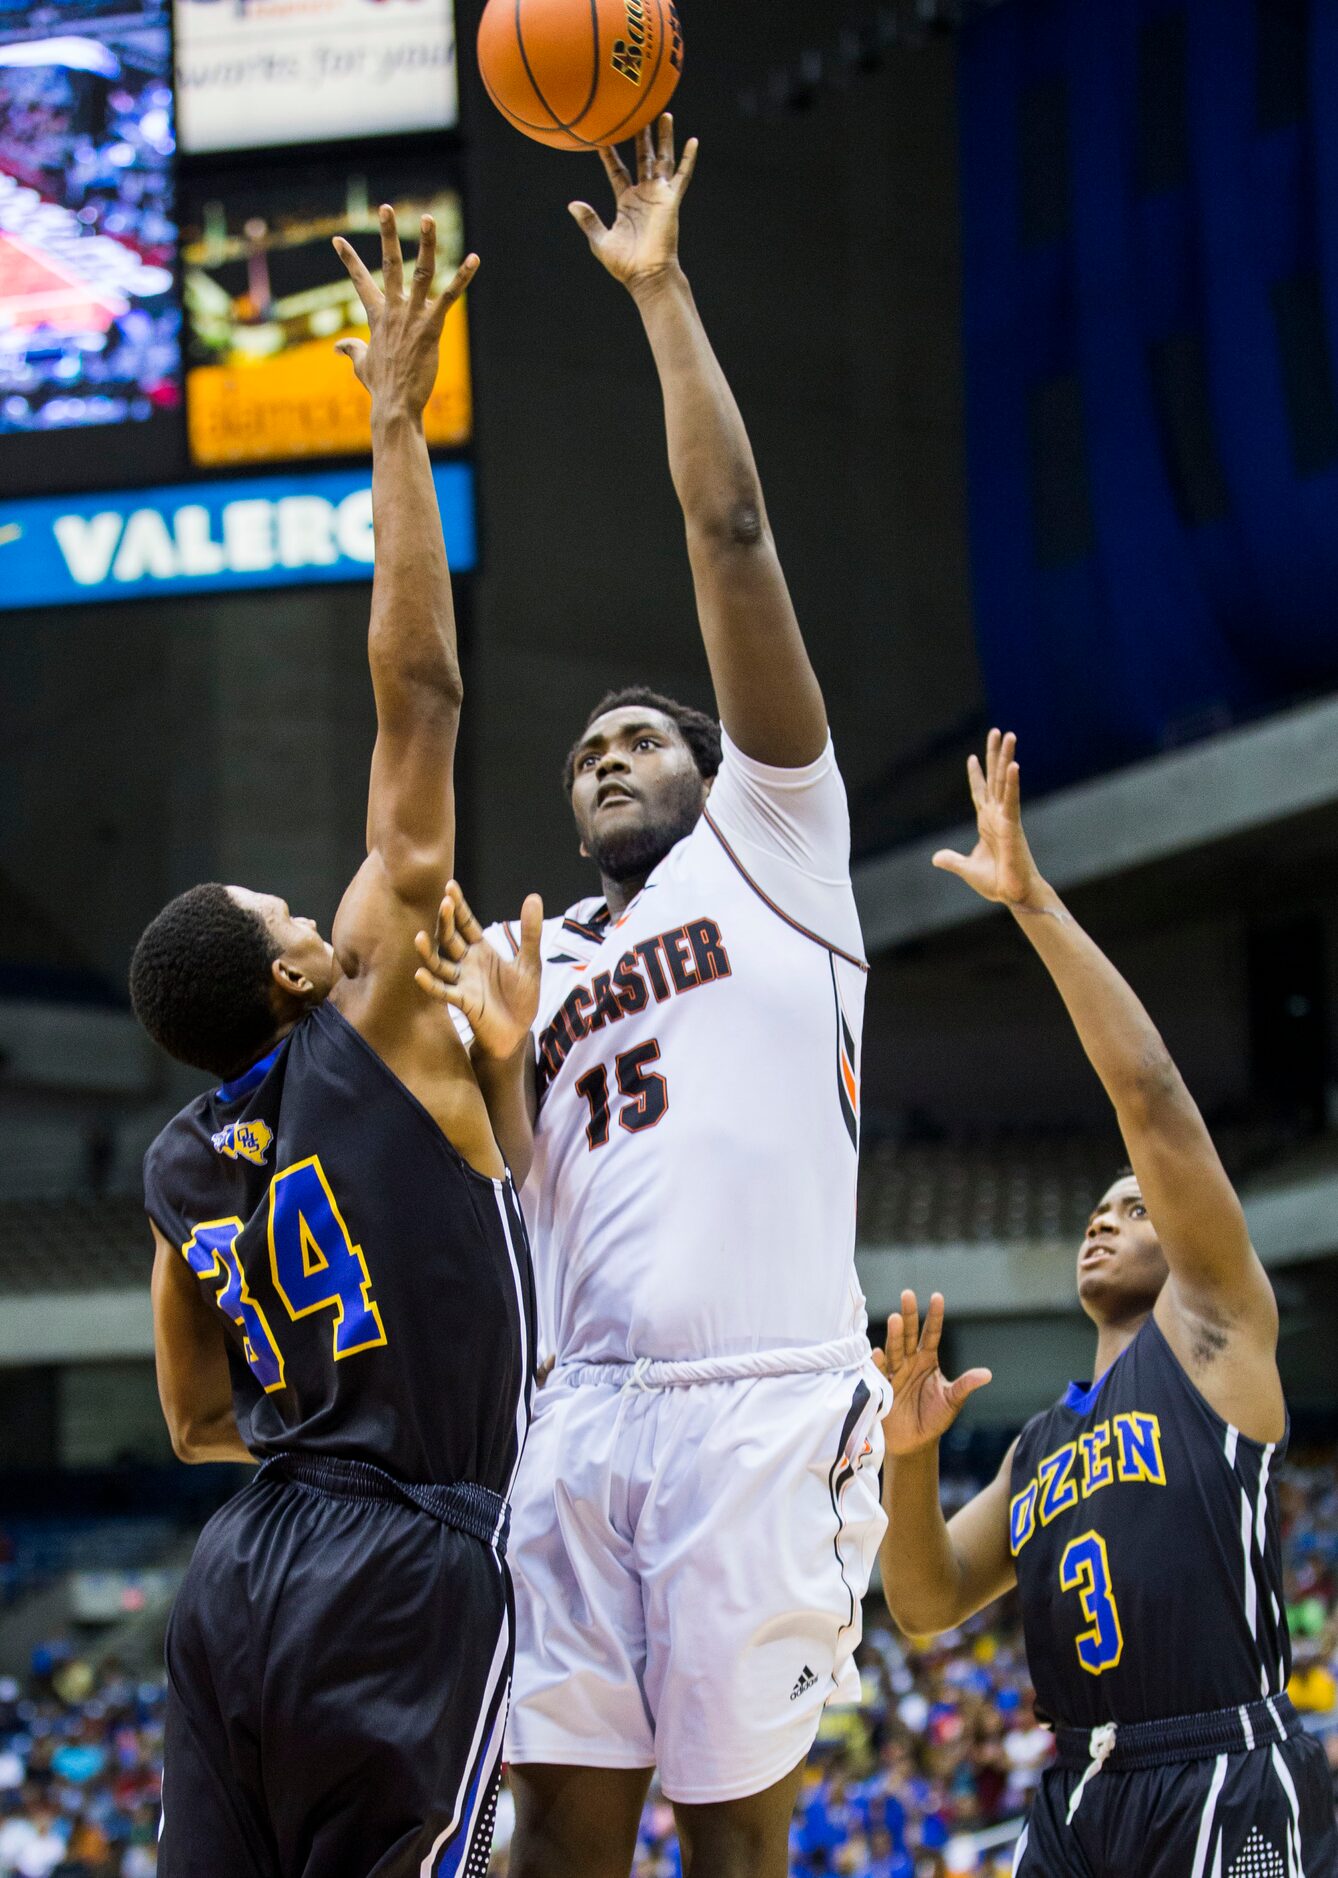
[{"x": 848, "y": 1078}]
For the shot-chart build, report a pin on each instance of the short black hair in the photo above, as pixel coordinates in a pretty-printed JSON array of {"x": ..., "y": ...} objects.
[
  {"x": 699, "y": 732},
  {"x": 200, "y": 981}
]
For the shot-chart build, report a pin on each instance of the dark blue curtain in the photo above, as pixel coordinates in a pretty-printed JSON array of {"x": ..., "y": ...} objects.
[{"x": 1151, "y": 324}]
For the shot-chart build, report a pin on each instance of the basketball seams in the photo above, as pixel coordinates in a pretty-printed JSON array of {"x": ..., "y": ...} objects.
[
  {"x": 529, "y": 70},
  {"x": 514, "y": 117},
  {"x": 558, "y": 122},
  {"x": 609, "y": 136},
  {"x": 589, "y": 104},
  {"x": 508, "y": 111}
]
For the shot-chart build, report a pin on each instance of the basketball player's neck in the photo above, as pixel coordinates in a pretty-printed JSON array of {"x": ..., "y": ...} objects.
[
  {"x": 619, "y": 894},
  {"x": 1112, "y": 1340}
]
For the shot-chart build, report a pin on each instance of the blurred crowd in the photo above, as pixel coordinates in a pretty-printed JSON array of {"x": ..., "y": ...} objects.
[
  {"x": 925, "y": 1779},
  {"x": 80, "y": 1769}
]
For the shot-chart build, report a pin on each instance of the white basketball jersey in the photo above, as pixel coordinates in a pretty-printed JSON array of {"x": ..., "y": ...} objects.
[{"x": 696, "y": 1148}]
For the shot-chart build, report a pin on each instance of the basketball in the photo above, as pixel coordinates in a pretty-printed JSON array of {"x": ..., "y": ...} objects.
[{"x": 580, "y": 73}]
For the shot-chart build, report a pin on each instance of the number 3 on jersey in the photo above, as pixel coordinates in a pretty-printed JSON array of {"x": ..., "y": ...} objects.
[
  {"x": 1084, "y": 1568},
  {"x": 314, "y": 1262},
  {"x": 211, "y": 1253}
]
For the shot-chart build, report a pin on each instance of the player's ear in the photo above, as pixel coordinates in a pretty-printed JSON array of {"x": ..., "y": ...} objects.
[
  {"x": 585, "y": 852},
  {"x": 710, "y": 785},
  {"x": 291, "y": 979}
]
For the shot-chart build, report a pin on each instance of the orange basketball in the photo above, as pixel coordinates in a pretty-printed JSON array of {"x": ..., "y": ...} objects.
[{"x": 580, "y": 73}]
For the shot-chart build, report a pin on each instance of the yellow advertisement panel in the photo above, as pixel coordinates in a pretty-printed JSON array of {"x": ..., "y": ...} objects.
[{"x": 267, "y": 298}]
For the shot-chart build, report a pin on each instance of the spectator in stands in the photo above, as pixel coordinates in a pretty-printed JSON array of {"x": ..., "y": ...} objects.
[{"x": 31, "y": 1843}]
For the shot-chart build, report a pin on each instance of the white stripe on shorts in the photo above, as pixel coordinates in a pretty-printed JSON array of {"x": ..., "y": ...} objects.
[
  {"x": 1295, "y": 1868},
  {"x": 1205, "y": 1838},
  {"x": 495, "y": 1674},
  {"x": 523, "y": 1406},
  {"x": 1021, "y": 1851}
]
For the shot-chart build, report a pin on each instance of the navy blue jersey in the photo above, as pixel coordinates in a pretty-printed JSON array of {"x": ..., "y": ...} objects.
[
  {"x": 1149, "y": 1557},
  {"x": 376, "y": 1289}
]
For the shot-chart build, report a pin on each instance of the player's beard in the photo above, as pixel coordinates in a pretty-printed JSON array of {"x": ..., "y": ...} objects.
[{"x": 629, "y": 854}]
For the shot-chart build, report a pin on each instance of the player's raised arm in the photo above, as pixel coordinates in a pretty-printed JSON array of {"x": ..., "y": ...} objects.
[
  {"x": 1217, "y": 1285},
  {"x": 936, "y": 1572},
  {"x": 411, "y": 642},
  {"x": 765, "y": 687}
]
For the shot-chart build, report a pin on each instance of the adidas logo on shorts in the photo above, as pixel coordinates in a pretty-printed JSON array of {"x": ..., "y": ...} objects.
[{"x": 807, "y": 1680}]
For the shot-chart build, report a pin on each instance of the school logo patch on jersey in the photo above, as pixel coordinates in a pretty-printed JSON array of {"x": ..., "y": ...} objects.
[{"x": 245, "y": 1141}]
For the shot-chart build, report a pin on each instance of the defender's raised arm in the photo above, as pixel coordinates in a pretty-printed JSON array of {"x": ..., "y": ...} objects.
[
  {"x": 411, "y": 642},
  {"x": 1218, "y": 1303},
  {"x": 765, "y": 687}
]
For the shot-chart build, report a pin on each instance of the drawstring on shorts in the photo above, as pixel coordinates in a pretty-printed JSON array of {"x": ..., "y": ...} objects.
[{"x": 1100, "y": 1746}]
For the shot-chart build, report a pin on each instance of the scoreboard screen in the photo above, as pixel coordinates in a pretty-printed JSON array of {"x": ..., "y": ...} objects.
[{"x": 89, "y": 316}]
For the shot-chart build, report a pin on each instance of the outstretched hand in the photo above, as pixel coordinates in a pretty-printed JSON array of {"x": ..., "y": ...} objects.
[
  {"x": 924, "y": 1403},
  {"x": 1000, "y": 866},
  {"x": 498, "y": 997},
  {"x": 642, "y": 244},
  {"x": 398, "y": 365}
]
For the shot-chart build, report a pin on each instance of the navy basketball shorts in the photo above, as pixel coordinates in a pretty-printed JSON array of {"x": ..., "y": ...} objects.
[
  {"x": 1262, "y": 1812},
  {"x": 338, "y": 1674}
]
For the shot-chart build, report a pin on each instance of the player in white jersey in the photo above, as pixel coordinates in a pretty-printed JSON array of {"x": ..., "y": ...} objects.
[{"x": 697, "y": 1512}]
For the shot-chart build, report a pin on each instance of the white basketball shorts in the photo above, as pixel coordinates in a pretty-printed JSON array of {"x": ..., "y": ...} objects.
[{"x": 689, "y": 1567}]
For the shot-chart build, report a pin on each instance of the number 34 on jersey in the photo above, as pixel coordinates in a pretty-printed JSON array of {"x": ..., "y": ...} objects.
[{"x": 313, "y": 1266}]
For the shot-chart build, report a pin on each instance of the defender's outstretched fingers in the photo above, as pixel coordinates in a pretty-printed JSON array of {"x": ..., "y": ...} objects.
[
  {"x": 364, "y": 286},
  {"x": 392, "y": 260},
  {"x": 450, "y": 945},
  {"x": 355, "y": 351},
  {"x": 438, "y": 988},
  {"x": 664, "y": 160},
  {"x": 685, "y": 169},
  {"x": 645, "y": 156},
  {"x": 587, "y": 221},
  {"x": 967, "y": 1384},
  {"x": 910, "y": 1311},
  {"x": 932, "y": 1334},
  {"x": 616, "y": 170},
  {"x": 992, "y": 743},
  {"x": 465, "y": 922},
  {"x": 531, "y": 928},
  {"x": 438, "y": 950},
  {"x": 425, "y": 267},
  {"x": 455, "y": 287}
]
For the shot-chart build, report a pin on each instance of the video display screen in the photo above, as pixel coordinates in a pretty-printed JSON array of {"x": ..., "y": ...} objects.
[
  {"x": 89, "y": 316},
  {"x": 255, "y": 73},
  {"x": 266, "y": 298}
]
